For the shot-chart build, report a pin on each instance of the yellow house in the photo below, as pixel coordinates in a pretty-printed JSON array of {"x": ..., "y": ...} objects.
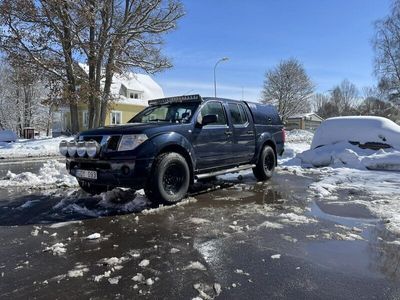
[{"x": 131, "y": 93}]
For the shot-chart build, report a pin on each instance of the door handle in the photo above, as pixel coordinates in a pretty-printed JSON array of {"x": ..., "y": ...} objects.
[{"x": 228, "y": 132}]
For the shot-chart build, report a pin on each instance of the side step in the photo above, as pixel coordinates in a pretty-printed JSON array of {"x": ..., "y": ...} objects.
[{"x": 231, "y": 170}]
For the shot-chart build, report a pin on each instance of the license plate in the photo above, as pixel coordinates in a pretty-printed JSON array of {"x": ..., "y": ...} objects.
[{"x": 86, "y": 174}]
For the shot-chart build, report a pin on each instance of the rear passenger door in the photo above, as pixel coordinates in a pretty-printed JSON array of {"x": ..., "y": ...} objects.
[{"x": 243, "y": 132}]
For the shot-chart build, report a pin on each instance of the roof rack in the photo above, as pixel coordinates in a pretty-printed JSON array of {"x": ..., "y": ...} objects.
[{"x": 176, "y": 99}]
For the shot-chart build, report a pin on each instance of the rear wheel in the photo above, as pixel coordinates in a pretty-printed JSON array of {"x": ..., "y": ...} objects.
[
  {"x": 266, "y": 164},
  {"x": 170, "y": 179},
  {"x": 92, "y": 188}
]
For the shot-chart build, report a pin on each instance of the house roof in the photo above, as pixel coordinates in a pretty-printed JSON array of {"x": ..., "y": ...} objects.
[
  {"x": 142, "y": 83},
  {"x": 305, "y": 115}
]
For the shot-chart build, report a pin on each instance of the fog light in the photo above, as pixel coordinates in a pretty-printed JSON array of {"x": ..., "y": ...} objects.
[
  {"x": 72, "y": 148},
  {"x": 125, "y": 170},
  {"x": 63, "y": 147},
  {"x": 92, "y": 148},
  {"x": 81, "y": 149}
]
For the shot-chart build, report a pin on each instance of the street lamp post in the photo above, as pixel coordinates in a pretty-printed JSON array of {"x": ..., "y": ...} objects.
[{"x": 215, "y": 77}]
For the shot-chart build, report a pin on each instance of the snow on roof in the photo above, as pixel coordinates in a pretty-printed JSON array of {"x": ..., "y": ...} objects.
[
  {"x": 140, "y": 83},
  {"x": 301, "y": 116},
  {"x": 362, "y": 129}
]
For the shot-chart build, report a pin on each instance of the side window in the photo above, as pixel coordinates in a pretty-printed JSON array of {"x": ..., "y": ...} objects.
[
  {"x": 238, "y": 114},
  {"x": 214, "y": 108}
]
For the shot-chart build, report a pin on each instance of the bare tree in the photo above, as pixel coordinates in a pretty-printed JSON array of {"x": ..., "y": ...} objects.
[
  {"x": 288, "y": 87},
  {"x": 109, "y": 35},
  {"x": 319, "y": 101},
  {"x": 345, "y": 97},
  {"x": 387, "y": 53}
]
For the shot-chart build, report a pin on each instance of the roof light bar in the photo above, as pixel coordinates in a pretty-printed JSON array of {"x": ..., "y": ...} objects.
[{"x": 177, "y": 99}]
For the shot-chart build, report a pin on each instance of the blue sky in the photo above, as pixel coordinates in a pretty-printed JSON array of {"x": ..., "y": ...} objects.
[{"x": 331, "y": 38}]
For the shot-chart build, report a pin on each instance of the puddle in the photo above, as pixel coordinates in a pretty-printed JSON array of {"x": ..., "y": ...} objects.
[
  {"x": 349, "y": 218},
  {"x": 350, "y": 257}
]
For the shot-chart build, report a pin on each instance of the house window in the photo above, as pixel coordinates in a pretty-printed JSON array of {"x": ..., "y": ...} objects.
[
  {"x": 116, "y": 117},
  {"x": 85, "y": 117},
  {"x": 134, "y": 95}
]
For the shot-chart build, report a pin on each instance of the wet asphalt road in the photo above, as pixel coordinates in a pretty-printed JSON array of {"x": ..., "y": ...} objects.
[{"x": 255, "y": 241}]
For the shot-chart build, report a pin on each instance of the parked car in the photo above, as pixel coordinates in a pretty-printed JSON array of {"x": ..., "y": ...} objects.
[
  {"x": 365, "y": 131},
  {"x": 174, "y": 142},
  {"x": 8, "y": 136}
]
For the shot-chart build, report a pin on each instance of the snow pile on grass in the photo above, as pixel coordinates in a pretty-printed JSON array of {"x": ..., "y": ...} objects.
[
  {"x": 32, "y": 148},
  {"x": 53, "y": 173},
  {"x": 297, "y": 141},
  {"x": 357, "y": 129}
]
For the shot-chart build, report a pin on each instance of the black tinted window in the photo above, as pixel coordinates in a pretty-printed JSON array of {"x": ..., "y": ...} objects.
[
  {"x": 238, "y": 114},
  {"x": 213, "y": 108}
]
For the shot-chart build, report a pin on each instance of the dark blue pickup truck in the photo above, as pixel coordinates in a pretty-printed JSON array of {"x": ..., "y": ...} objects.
[{"x": 174, "y": 142}]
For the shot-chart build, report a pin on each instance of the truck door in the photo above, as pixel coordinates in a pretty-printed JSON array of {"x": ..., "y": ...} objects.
[
  {"x": 212, "y": 143},
  {"x": 243, "y": 133}
]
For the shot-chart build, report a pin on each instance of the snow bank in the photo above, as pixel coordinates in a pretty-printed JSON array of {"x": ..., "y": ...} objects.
[
  {"x": 380, "y": 188},
  {"x": 32, "y": 148},
  {"x": 7, "y": 136},
  {"x": 357, "y": 129},
  {"x": 344, "y": 154},
  {"x": 53, "y": 173},
  {"x": 297, "y": 141}
]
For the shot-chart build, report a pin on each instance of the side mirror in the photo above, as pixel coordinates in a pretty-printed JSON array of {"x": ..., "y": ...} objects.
[{"x": 209, "y": 119}]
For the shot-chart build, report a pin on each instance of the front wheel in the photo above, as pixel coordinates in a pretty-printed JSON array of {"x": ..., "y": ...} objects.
[
  {"x": 266, "y": 164},
  {"x": 170, "y": 179}
]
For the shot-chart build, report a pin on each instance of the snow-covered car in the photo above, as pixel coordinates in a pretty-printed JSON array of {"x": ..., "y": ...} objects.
[
  {"x": 364, "y": 131},
  {"x": 7, "y": 136}
]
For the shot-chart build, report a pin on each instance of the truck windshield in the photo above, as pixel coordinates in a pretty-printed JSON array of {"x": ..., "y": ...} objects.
[{"x": 172, "y": 112}]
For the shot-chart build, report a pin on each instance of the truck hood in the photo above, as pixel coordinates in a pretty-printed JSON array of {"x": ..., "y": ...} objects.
[{"x": 131, "y": 128}]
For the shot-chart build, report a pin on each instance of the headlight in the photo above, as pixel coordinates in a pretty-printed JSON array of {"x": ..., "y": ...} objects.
[
  {"x": 81, "y": 149},
  {"x": 131, "y": 141},
  {"x": 72, "y": 148},
  {"x": 63, "y": 147},
  {"x": 92, "y": 148}
]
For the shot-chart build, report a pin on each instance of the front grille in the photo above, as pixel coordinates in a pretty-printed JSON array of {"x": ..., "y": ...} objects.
[
  {"x": 96, "y": 138},
  {"x": 107, "y": 142},
  {"x": 113, "y": 143}
]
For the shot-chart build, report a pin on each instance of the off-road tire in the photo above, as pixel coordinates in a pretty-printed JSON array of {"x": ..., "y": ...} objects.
[
  {"x": 92, "y": 188},
  {"x": 169, "y": 180},
  {"x": 266, "y": 164}
]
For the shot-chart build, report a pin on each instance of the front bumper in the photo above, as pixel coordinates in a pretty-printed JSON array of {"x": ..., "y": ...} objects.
[{"x": 132, "y": 173}]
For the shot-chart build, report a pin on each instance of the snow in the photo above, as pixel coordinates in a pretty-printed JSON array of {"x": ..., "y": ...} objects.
[
  {"x": 138, "y": 277},
  {"x": 114, "y": 280},
  {"x": 276, "y": 256},
  {"x": 344, "y": 154},
  {"x": 358, "y": 129},
  {"x": 136, "y": 82},
  {"x": 144, "y": 263},
  {"x": 53, "y": 173},
  {"x": 32, "y": 148},
  {"x": 297, "y": 141},
  {"x": 195, "y": 265},
  {"x": 93, "y": 236},
  {"x": 344, "y": 168},
  {"x": 7, "y": 136},
  {"x": 56, "y": 249}
]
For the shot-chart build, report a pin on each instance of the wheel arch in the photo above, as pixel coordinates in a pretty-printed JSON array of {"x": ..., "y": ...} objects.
[{"x": 270, "y": 143}]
